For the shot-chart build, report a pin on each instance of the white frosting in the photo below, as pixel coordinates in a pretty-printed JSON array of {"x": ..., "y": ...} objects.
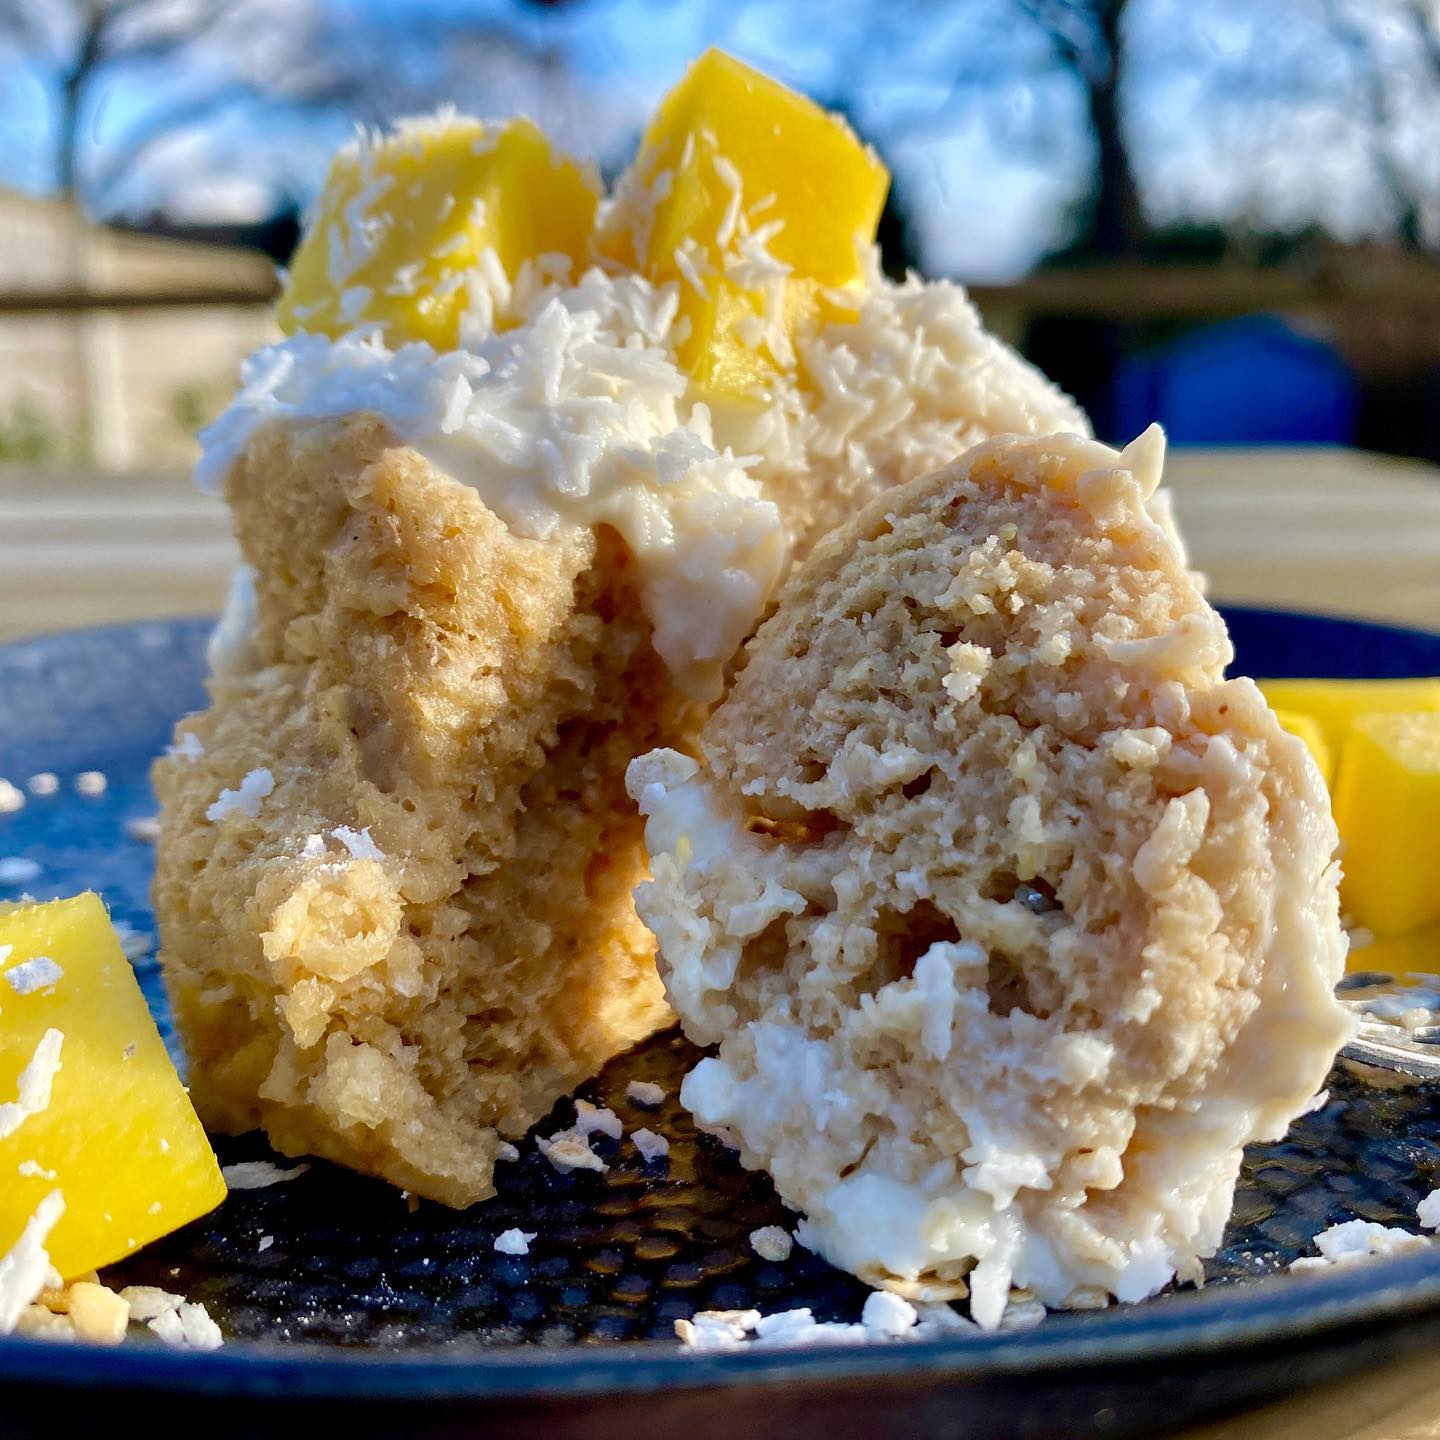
[{"x": 577, "y": 418}]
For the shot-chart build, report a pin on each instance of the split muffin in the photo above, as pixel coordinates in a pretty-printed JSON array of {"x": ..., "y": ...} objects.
[{"x": 524, "y": 476}]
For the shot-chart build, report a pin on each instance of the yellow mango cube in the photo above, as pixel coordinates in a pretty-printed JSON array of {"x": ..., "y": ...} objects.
[
  {"x": 1334, "y": 705},
  {"x": 403, "y": 218},
  {"x": 90, "y": 1105},
  {"x": 1414, "y": 951},
  {"x": 731, "y": 153},
  {"x": 1307, "y": 728},
  {"x": 1387, "y": 805}
]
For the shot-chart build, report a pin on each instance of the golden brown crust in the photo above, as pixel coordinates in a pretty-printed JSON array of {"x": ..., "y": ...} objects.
[{"x": 471, "y": 698}]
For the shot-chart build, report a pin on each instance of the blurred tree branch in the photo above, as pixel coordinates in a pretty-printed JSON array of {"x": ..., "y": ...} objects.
[
  {"x": 80, "y": 40},
  {"x": 1369, "y": 70},
  {"x": 1088, "y": 40},
  {"x": 212, "y": 57}
]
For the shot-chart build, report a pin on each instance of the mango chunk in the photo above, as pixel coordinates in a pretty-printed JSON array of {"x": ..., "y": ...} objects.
[
  {"x": 90, "y": 1105},
  {"x": 1414, "y": 952},
  {"x": 732, "y": 154},
  {"x": 1334, "y": 705},
  {"x": 1307, "y": 728},
  {"x": 403, "y": 218},
  {"x": 1387, "y": 805}
]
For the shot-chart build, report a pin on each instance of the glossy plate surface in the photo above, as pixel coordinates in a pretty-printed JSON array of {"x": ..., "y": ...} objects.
[{"x": 333, "y": 1291}]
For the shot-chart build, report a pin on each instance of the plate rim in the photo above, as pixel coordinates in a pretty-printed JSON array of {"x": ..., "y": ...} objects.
[{"x": 1269, "y": 1312}]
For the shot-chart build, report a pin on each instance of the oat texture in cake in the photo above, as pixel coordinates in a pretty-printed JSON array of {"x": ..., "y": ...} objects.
[
  {"x": 1011, "y": 918},
  {"x": 505, "y": 524}
]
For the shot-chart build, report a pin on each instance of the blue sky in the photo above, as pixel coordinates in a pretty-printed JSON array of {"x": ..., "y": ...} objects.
[{"x": 1240, "y": 113}]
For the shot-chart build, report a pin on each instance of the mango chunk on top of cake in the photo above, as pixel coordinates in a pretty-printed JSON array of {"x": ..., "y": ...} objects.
[
  {"x": 91, "y": 1109},
  {"x": 732, "y": 157},
  {"x": 403, "y": 220},
  {"x": 752, "y": 199}
]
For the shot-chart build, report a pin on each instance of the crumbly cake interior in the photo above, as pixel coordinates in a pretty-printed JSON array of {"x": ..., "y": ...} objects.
[
  {"x": 459, "y": 703},
  {"x": 1012, "y": 920}
]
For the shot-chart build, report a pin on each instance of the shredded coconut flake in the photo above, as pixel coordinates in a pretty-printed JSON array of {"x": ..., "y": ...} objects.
[
  {"x": 650, "y": 1145},
  {"x": 259, "y": 1174},
  {"x": 33, "y": 1086},
  {"x": 358, "y": 843},
  {"x": 592, "y": 1119},
  {"x": 514, "y": 1242},
  {"x": 38, "y": 973},
  {"x": 1428, "y": 1211},
  {"x": 12, "y": 798},
  {"x": 187, "y": 1327},
  {"x": 91, "y": 782},
  {"x": 25, "y": 1268},
  {"x": 569, "y": 1150},
  {"x": 43, "y": 783},
  {"x": 884, "y": 1318},
  {"x": 642, "y": 1092},
  {"x": 1358, "y": 1240},
  {"x": 886, "y": 1314},
  {"x": 148, "y": 1301},
  {"x": 246, "y": 800}
]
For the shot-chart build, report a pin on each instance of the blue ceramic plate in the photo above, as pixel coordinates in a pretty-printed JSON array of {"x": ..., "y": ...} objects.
[{"x": 381, "y": 1320}]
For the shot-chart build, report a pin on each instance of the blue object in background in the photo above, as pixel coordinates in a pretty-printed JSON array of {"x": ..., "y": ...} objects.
[{"x": 1244, "y": 382}]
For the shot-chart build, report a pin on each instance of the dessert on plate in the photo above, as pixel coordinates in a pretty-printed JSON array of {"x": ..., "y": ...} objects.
[
  {"x": 523, "y": 477},
  {"x": 1013, "y": 921}
]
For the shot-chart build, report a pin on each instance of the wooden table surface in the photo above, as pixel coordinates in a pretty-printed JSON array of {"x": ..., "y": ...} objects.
[{"x": 1333, "y": 530}]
